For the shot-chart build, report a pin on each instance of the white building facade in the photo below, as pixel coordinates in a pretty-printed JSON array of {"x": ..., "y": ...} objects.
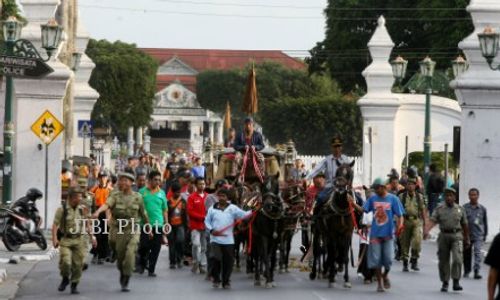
[
  {"x": 389, "y": 117},
  {"x": 478, "y": 92}
]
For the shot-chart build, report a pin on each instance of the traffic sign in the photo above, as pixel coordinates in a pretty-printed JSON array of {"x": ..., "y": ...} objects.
[
  {"x": 85, "y": 128},
  {"x": 47, "y": 127},
  {"x": 24, "y": 67}
]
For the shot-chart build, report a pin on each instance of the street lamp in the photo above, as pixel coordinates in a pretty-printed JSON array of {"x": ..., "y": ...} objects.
[
  {"x": 51, "y": 36},
  {"x": 459, "y": 66},
  {"x": 399, "y": 66},
  {"x": 489, "y": 41},
  {"x": 427, "y": 66},
  {"x": 21, "y": 49}
]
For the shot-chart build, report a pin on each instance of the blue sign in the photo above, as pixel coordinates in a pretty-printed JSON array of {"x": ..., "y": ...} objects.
[{"x": 85, "y": 128}]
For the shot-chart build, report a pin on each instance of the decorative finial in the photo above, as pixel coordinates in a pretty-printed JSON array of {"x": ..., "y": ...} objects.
[
  {"x": 381, "y": 21},
  {"x": 489, "y": 30}
]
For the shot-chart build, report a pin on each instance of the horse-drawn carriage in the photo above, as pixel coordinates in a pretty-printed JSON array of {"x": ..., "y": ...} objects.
[{"x": 278, "y": 203}]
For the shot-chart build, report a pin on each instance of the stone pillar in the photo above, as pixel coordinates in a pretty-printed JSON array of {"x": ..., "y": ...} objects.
[
  {"x": 379, "y": 107},
  {"x": 31, "y": 98},
  {"x": 106, "y": 155},
  {"x": 211, "y": 131},
  {"x": 478, "y": 91},
  {"x": 147, "y": 143},
  {"x": 219, "y": 133},
  {"x": 138, "y": 137},
  {"x": 80, "y": 98},
  {"x": 130, "y": 141},
  {"x": 196, "y": 139}
]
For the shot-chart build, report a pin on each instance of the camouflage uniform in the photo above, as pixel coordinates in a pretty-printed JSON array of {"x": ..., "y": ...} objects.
[
  {"x": 412, "y": 234},
  {"x": 450, "y": 240},
  {"x": 72, "y": 251},
  {"x": 88, "y": 206},
  {"x": 127, "y": 208}
]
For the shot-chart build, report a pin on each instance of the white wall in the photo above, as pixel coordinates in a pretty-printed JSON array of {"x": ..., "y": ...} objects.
[{"x": 410, "y": 121}]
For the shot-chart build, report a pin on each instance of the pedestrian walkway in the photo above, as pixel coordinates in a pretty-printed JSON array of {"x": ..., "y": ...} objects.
[{"x": 14, "y": 266}]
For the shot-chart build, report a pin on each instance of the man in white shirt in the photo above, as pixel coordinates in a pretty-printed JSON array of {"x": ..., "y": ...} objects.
[{"x": 329, "y": 165}]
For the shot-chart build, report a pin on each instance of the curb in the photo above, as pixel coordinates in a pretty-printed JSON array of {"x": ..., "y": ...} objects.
[{"x": 35, "y": 257}]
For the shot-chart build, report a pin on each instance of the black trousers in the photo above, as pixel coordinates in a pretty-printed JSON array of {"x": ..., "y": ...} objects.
[
  {"x": 176, "y": 240},
  {"x": 149, "y": 250},
  {"x": 222, "y": 262},
  {"x": 102, "y": 249}
]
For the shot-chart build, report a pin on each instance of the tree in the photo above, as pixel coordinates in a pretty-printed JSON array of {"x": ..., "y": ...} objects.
[
  {"x": 126, "y": 81},
  {"x": 274, "y": 82},
  {"x": 418, "y": 28},
  {"x": 311, "y": 122}
]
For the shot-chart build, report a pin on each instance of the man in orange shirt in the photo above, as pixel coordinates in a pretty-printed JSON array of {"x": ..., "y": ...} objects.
[
  {"x": 177, "y": 218},
  {"x": 101, "y": 194}
]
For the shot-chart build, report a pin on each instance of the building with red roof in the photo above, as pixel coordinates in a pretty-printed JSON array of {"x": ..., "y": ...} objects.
[{"x": 178, "y": 119}]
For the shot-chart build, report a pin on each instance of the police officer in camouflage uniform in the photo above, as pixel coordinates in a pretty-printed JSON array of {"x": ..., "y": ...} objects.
[
  {"x": 127, "y": 209},
  {"x": 70, "y": 222},
  {"x": 454, "y": 231},
  {"x": 413, "y": 203}
]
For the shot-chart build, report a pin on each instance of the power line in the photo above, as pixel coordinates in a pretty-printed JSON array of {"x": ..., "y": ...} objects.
[
  {"x": 145, "y": 10},
  {"x": 291, "y": 6},
  {"x": 141, "y": 10},
  {"x": 311, "y": 7}
]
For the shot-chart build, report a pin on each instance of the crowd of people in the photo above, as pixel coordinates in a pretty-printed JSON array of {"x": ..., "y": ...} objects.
[{"x": 196, "y": 221}]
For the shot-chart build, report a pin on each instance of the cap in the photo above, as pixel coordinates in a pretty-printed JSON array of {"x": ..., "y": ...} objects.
[
  {"x": 336, "y": 141},
  {"x": 220, "y": 183},
  {"x": 412, "y": 180},
  {"x": 248, "y": 120},
  {"x": 378, "y": 182},
  {"x": 127, "y": 175},
  {"x": 102, "y": 174},
  {"x": 75, "y": 190},
  {"x": 450, "y": 190}
]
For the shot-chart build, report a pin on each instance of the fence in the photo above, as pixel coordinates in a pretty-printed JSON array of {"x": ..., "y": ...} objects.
[{"x": 310, "y": 161}]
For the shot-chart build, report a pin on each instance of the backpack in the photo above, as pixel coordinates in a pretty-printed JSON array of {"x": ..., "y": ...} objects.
[{"x": 419, "y": 200}]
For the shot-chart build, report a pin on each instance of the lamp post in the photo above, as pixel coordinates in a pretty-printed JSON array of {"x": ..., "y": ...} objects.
[
  {"x": 20, "y": 48},
  {"x": 427, "y": 66},
  {"x": 489, "y": 41}
]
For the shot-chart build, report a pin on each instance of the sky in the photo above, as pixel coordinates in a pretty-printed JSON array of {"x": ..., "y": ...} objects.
[{"x": 290, "y": 25}]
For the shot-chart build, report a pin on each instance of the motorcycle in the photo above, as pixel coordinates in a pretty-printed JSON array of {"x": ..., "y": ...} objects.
[{"x": 21, "y": 222}]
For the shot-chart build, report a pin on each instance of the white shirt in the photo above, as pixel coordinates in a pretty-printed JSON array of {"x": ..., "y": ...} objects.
[{"x": 329, "y": 167}]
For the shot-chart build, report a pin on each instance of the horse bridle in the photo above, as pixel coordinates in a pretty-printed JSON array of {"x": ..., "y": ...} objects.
[{"x": 272, "y": 204}]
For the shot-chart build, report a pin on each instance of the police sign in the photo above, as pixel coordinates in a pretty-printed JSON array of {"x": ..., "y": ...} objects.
[{"x": 23, "y": 67}]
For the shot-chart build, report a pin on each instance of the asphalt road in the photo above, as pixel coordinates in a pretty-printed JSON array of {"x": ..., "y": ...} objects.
[{"x": 101, "y": 282}]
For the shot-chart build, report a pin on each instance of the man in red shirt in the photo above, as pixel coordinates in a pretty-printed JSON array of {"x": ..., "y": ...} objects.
[{"x": 196, "y": 213}]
